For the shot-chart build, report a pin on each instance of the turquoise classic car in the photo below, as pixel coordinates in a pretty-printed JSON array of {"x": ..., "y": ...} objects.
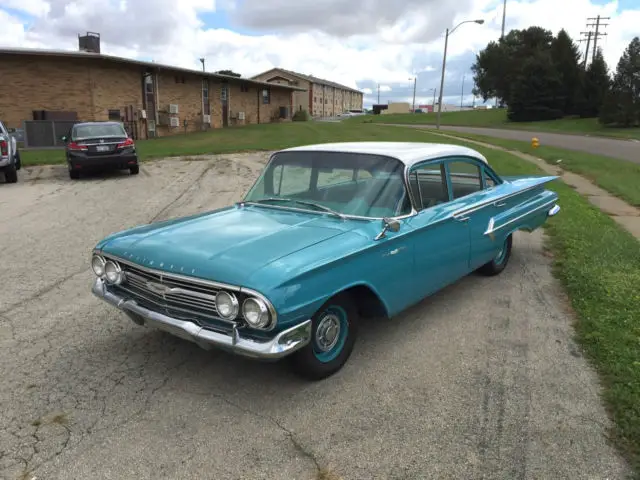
[{"x": 328, "y": 234}]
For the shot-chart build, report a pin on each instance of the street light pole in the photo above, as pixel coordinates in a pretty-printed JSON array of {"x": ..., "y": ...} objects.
[
  {"x": 462, "y": 91},
  {"x": 444, "y": 64},
  {"x": 434, "y": 97},
  {"x": 504, "y": 16},
  {"x": 202, "y": 61}
]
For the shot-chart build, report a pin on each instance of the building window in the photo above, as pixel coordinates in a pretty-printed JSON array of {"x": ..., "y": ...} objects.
[
  {"x": 244, "y": 87},
  {"x": 179, "y": 79},
  {"x": 266, "y": 96},
  {"x": 206, "y": 106},
  {"x": 114, "y": 115}
]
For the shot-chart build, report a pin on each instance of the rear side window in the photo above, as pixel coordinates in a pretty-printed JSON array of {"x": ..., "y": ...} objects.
[{"x": 465, "y": 178}]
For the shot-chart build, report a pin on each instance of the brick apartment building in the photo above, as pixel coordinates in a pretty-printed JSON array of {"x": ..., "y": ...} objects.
[
  {"x": 151, "y": 99},
  {"x": 322, "y": 98}
]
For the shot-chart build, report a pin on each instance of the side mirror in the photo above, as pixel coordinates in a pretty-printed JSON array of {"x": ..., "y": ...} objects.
[{"x": 388, "y": 224}]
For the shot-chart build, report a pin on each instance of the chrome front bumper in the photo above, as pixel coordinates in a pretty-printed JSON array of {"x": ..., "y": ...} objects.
[{"x": 283, "y": 344}]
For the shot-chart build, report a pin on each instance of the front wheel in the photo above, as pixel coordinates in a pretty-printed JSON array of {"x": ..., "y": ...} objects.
[
  {"x": 333, "y": 335},
  {"x": 134, "y": 170},
  {"x": 10, "y": 174},
  {"x": 499, "y": 262}
]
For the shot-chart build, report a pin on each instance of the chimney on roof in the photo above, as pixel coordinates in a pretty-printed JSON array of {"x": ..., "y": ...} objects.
[{"x": 89, "y": 42}]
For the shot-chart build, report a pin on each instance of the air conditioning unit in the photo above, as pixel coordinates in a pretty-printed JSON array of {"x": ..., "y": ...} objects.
[
  {"x": 206, "y": 118},
  {"x": 240, "y": 115},
  {"x": 173, "y": 109},
  {"x": 151, "y": 126},
  {"x": 164, "y": 119},
  {"x": 175, "y": 122},
  {"x": 143, "y": 114}
]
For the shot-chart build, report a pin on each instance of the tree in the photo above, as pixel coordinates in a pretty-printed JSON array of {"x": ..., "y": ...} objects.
[
  {"x": 596, "y": 85},
  {"x": 229, "y": 73},
  {"x": 534, "y": 91},
  {"x": 566, "y": 58},
  {"x": 621, "y": 105},
  {"x": 497, "y": 66}
]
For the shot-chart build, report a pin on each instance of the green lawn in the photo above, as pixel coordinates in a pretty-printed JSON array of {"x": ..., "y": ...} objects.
[
  {"x": 597, "y": 261},
  {"x": 497, "y": 118},
  {"x": 618, "y": 177}
]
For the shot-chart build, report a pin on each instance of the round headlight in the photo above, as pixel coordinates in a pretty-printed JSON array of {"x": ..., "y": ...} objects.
[
  {"x": 97, "y": 264},
  {"x": 227, "y": 305},
  {"x": 113, "y": 272},
  {"x": 255, "y": 312}
]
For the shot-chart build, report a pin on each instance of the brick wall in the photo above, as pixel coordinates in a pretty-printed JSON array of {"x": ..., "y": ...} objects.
[
  {"x": 184, "y": 90},
  {"x": 32, "y": 83}
]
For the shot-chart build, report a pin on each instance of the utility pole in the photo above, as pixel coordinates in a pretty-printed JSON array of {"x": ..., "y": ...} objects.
[
  {"x": 504, "y": 16},
  {"x": 378, "y": 94},
  {"x": 597, "y": 34},
  {"x": 586, "y": 53},
  {"x": 413, "y": 107},
  {"x": 462, "y": 91}
]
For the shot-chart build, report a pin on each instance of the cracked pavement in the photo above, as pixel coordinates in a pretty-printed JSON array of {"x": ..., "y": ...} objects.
[{"x": 482, "y": 380}]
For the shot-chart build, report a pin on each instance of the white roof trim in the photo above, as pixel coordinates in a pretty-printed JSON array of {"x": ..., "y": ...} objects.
[{"x": 408, "y": 153}]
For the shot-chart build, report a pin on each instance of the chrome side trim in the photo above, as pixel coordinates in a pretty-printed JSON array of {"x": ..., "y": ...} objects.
[
  {"x": 283, "y": 344},
  {"x": 493, "y": 201},
  {"x": 491, "y": 229},
  {"x": 554, "y": 210},
  {"x": 199, "y": 281}
]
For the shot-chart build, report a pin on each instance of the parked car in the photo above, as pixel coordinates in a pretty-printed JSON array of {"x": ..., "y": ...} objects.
[
  {"x": 328, "y": 234},
  {"x": 10, "y": 161},
  {"x": 99, "y": 145}
]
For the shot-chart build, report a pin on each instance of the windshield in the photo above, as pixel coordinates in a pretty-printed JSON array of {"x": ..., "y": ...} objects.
[
  {"x": 81, "y": 132},
  {"x": 346, "y": 183}
]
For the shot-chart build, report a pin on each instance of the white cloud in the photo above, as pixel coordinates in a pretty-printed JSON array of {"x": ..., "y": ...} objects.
[{"x": 359, "y": 43}]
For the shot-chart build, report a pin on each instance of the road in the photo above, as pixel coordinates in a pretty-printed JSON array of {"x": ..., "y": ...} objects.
[
  {"x": 608, "y": 147},
  {"x": 483, "y": 380}
]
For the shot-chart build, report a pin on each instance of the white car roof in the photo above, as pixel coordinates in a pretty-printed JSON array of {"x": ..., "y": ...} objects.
[{"x": 408, "y": 153}]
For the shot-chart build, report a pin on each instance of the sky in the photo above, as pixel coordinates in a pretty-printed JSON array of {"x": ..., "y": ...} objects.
[{"x": 360, "y": 43}]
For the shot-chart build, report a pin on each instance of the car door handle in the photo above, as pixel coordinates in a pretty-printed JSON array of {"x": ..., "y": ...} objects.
[
  {"x": 461, "y": 219},
  {"x": 500, "y": 204}
]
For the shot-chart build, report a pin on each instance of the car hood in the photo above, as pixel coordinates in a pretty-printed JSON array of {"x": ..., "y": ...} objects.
[{"x": 226, "y": 245}]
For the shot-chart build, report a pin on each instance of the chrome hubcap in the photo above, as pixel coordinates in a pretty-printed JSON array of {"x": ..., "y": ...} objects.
[{"x": 328, "y": 332}]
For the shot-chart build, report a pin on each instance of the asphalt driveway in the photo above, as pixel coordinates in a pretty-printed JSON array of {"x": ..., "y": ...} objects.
[
  {"x": 608, "y": 147},
  {"x": 482, "y": 380}
]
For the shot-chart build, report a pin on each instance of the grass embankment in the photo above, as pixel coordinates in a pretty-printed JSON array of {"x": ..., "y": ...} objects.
[
  {"x": 497, "y": 118},
  {"x": 598, "y": 262},
  {"x": 619, "y": 177}
]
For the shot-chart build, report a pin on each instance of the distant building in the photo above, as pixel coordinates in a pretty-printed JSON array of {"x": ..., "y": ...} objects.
[
  {"x": 323, "y": 98},
  {"x": 151, "y": 99},
  {"x": 397, "y": 107}
]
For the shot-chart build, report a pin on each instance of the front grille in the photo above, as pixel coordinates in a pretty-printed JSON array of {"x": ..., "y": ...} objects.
[{"x": 186, "y": 300}]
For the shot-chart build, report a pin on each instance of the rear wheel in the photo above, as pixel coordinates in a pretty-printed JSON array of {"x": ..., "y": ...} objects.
[
  {"x": 18, "y": 161},
  {"x": 74, "y": 174},
  {"x": 499, "y": 262},
  {"x": 134, "y": 170},
  {"x": 333, "y": 335},
  {"x": 10, "y": 174}
]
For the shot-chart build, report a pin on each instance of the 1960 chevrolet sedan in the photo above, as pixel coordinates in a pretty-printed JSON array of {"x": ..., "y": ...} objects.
[{"x": 328, "y": 234}]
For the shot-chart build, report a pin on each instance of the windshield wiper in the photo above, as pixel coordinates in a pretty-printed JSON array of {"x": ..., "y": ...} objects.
[{"x": 301, "y": 202}]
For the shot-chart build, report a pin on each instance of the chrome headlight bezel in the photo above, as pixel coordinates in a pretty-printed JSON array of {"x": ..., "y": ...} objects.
[
  {"x": 264, "y": 318},
  {"x": 118, "y": 275},
  {"x": 233, "y": 300},
  {"x": 97, "y": 265}
]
